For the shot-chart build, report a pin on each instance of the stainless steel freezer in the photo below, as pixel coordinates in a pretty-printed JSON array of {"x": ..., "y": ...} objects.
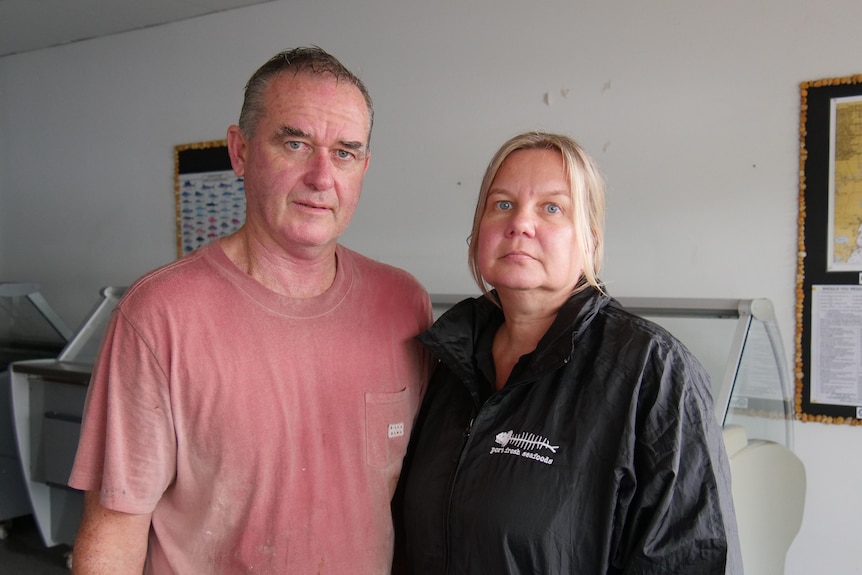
[
  {"x": 47, "y": 402},
  {"x": 29, "y": 329}
]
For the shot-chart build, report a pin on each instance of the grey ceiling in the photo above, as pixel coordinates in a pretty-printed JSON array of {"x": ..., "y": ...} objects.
[{"x": 27, "y": 25}]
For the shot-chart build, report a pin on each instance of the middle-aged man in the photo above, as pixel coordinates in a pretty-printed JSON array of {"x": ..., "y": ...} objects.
[{"x": 252, "y": 402}]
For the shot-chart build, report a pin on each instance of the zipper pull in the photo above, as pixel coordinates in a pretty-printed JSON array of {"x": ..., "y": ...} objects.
[{"x": 469, "y": 427}]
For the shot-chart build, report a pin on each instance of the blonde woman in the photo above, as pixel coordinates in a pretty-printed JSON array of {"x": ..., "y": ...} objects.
[{"x": 559, "y": 433}]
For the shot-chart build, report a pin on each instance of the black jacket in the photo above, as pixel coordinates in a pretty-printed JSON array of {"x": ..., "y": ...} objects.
[{"x": 600, "y": 455}]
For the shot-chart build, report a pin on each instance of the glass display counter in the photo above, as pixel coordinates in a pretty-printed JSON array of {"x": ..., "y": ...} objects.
[
  {"x": 47, "y": 402},
  {"x": 738, "y": 342},
  {"x": 29, "y": 329}
]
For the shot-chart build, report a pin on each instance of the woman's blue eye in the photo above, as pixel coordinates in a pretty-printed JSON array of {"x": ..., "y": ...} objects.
[
  {"x": 553, "y": 209},
  {"x": 504, "y": 205}
]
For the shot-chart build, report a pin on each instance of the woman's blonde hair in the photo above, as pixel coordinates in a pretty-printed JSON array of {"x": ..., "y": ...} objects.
[{"x": 586, "y": 185}]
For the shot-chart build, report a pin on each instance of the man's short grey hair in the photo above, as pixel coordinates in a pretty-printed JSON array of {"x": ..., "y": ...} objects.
[{"x": 307, "y": 60}]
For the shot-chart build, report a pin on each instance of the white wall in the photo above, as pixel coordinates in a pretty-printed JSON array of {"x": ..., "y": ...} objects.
[{"x": 690, "y": 108}]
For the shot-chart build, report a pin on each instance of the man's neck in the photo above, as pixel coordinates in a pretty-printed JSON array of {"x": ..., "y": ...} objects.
[{"x": 279, "y": 271}]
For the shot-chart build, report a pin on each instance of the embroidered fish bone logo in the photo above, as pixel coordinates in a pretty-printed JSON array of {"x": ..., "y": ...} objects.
[{"x": 524, "y": 441}]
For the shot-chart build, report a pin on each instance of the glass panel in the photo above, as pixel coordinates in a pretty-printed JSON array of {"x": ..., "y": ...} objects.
[
  {"x": 26, "y": 328},
  {"x": 708, "y": 339},
  {"x": 761, "y": 401},
  {"x": 23, "y": 323},
  {"x": 85, "y": 345}
]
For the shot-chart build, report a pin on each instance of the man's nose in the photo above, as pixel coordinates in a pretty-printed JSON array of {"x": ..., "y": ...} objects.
[{"x": 319, "y": 175}]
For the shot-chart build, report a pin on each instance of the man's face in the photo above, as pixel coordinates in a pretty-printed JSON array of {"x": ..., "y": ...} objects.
[{"x": 304, "y": 165}]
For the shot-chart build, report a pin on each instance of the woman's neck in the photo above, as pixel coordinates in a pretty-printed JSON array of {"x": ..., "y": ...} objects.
[{"x": 518, "y": 335}]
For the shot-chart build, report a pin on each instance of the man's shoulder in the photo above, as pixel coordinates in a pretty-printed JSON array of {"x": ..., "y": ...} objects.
[
  {"x": 172, "y": 282},
  {"x": 377, "y": 271}
]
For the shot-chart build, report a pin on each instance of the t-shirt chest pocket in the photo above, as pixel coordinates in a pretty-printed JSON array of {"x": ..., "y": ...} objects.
[{"x": 387, "y": 425}]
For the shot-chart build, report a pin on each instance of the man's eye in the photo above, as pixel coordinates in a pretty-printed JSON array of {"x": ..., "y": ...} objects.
[
  {"x": 343, "y": 154},
  {"x": 504, "y": 205},
  {"x": 294, "y": 145}
]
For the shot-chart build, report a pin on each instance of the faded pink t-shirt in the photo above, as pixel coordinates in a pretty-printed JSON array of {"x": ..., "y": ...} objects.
[{"x": 264, "y": 433}]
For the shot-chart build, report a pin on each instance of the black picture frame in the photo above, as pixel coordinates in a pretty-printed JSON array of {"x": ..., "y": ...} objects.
[
  {"x": 815, "y": 268},
  {"x": 210, "y": 198}
]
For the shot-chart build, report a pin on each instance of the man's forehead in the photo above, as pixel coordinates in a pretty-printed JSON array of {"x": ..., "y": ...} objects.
[
  {"x": 308, "y": 102},
  {"x": 323, "y": 84}
]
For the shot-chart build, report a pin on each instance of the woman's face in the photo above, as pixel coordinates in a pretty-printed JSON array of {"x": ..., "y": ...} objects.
[{"x": 527, "y": 237}]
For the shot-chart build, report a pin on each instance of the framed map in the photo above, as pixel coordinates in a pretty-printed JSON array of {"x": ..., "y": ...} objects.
[
  {"x": 844, "y": 234},
  {"x": 828, "y": 355},
  {"x": 210, "y": 198}
]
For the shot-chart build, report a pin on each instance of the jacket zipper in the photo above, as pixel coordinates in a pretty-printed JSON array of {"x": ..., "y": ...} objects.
[{"x": 464, "y": 442}]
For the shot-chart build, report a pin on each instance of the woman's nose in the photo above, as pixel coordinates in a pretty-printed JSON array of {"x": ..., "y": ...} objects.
[{"x": 521, "y": 223}]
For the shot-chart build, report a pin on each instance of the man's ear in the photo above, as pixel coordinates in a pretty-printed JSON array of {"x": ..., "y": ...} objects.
[{"x": 236, "y": 147}]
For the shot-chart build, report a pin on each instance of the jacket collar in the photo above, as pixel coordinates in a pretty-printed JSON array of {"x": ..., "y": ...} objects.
[{"x": 465, "y": 332}]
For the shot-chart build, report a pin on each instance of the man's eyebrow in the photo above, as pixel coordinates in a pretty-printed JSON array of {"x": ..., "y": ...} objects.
[
  {"x": 292, "y": 132},
  {"x": 351, "y": 145}
]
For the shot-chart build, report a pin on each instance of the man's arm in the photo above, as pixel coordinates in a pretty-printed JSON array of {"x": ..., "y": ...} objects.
[{"x": 109, "y": 542}]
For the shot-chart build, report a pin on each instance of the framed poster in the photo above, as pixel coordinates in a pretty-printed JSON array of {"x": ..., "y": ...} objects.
[
  {"x": 210, "y": 198},
  {"x": 828, "y": 355}
]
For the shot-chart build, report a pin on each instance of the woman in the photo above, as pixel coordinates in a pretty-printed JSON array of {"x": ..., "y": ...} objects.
[{"x": 559, "y": 433}]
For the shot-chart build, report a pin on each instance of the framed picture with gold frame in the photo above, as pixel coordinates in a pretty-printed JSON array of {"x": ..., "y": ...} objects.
[
  {"x": 210, "y": 198},
  {"x": 828, "y": 358}
]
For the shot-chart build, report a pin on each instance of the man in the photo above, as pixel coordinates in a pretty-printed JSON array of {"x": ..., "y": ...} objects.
[{"x": 252, "y": 402}]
